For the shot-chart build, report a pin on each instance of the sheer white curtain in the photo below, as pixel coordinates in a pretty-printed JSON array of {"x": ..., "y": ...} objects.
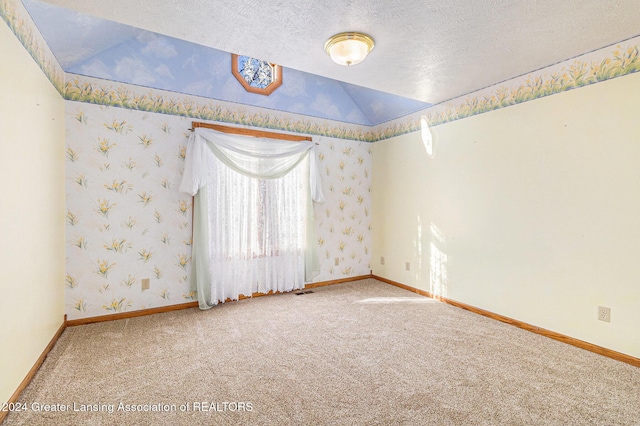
[{"x": 253, "y": 214}]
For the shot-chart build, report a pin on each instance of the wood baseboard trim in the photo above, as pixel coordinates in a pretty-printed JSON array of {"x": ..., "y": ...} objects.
[
  {"x": 132, "y": 314},
  {"x": 27, "y": 379},
  {"x": 170, "y": 308},
  {"x": 609, "y": 353},
  {"x": 306, "y": 286},
  {"x": 338, "y": 281}
]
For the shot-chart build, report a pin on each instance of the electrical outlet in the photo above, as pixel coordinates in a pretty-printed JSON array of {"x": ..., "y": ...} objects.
[
  {"x": 337, "y": 261},
  {"x": 408, "y": 266},
  {"x": 604, "y": 313},
  {"x": 382, "y": 260},
  {"x": 146, "y": 283}
]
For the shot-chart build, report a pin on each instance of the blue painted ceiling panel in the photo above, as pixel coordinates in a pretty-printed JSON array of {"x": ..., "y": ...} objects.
[{"x": 103, "y": 49}]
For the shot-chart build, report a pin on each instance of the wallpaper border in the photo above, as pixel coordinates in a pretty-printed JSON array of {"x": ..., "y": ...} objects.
[
  {"x": 20, "y": 23},
  {"x": 616, "y": 60},
  {"x": 104, "y": 92}
]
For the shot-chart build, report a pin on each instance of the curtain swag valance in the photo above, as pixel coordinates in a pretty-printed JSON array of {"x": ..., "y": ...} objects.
[{"x": 260, "y": 158}]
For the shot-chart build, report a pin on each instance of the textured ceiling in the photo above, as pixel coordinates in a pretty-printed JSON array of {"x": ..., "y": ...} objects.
[{"x": 425, "y": 49}]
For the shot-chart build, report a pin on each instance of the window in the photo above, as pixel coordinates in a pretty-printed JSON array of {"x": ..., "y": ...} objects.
[
  {"x": 255, "y": 75},
  {"x": 265, "y": 214}
]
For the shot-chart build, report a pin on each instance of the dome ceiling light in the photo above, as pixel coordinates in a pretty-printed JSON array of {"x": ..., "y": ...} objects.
[{"x": 348, "y": 48}]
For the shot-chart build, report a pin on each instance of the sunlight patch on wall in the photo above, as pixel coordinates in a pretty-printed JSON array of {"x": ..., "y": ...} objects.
[
  {"x": 418, "y": 251},
  {"x": 438, "y": 277}
]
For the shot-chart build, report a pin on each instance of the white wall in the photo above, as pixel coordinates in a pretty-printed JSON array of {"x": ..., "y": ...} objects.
[
  {"x": 531, "y": 211},
  {"x": 32, "y": 213}
]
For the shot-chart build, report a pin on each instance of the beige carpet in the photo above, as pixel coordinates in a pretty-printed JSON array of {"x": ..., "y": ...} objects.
[{"x": 361, "y": 353}]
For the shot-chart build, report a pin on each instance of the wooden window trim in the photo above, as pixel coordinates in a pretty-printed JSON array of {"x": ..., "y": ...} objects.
[{"x": 277, "y": 81}]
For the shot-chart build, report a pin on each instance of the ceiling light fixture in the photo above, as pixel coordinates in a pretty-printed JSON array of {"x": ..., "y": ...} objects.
[{"x": 348, "y": 48}]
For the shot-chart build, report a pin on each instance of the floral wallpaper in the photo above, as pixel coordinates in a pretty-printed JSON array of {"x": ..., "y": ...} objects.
[
  {"x": 126, "y": 220},
  {"x": 343, "y": 221}
]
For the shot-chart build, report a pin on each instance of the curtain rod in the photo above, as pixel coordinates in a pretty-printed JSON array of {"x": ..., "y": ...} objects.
[{"x": 250, "y": 132}]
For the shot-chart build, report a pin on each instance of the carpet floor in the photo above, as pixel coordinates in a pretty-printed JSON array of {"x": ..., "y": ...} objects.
[{"x": 359, "y": 353}]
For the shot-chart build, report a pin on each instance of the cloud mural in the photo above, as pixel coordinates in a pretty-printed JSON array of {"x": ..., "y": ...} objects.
[{"x": 95, "y": 47}]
